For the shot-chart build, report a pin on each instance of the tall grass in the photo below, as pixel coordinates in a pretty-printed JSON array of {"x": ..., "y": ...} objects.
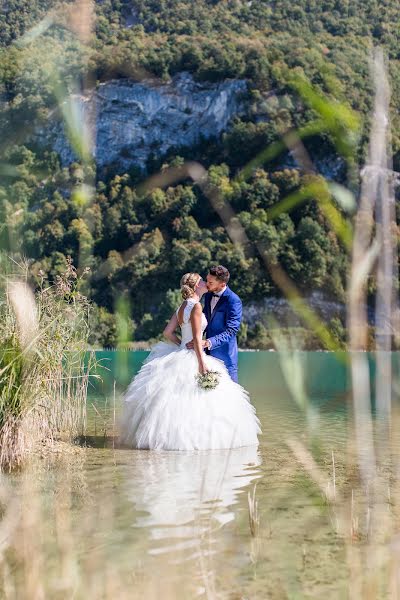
[
  {"x": 43, "y": 373},
  {"x": 43, "y": 378}
]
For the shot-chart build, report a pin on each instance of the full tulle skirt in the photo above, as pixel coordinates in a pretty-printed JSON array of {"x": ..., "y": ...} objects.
[{"x": 164, "y": 407}]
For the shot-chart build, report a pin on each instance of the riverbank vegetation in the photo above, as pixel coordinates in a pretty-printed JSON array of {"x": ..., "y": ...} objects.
[{"x": 44, "y": 373}]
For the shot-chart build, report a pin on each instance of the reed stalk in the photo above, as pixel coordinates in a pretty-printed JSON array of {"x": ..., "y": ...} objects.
[{"x": 254, "y": 517}]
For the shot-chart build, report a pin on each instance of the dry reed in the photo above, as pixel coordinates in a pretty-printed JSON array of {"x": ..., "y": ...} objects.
[{"x": 44, "y": 373}]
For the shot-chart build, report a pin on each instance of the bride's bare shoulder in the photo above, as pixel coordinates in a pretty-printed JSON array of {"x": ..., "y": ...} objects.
[{"x": 197, "y": 309}]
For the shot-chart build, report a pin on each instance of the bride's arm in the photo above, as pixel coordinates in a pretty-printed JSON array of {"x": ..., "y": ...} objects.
[
  {"x": 169, "y": 331},
  {"x": 195, "y": 319}
]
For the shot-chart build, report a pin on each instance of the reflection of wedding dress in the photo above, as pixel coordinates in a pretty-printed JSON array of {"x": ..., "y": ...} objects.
[
  {"x": 164, "y": 408},
  {"x": 179, "y": 492}
]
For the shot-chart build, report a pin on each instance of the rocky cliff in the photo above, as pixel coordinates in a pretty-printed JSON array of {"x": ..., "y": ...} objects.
[
  {"x": 127, "y": 121},
  {"x": 281, "y": 311}
]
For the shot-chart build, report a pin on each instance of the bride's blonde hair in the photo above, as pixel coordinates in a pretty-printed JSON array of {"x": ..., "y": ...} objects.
[{"x": 189, "y": 282}]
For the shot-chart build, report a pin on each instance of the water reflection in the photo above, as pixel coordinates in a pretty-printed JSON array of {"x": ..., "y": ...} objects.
[{"x": 180, "y": 495}]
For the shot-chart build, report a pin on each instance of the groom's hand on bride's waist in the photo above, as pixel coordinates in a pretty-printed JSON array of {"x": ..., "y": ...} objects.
[{"x": 205, "y": 344}]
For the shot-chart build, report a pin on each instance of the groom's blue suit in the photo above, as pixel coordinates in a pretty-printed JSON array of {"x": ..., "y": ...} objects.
[{"x": 223, "y": 326}]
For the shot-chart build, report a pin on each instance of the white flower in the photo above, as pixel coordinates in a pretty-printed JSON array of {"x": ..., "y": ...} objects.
[{"x": 209, "y": 380}]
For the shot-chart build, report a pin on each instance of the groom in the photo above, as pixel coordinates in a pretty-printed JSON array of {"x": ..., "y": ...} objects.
[{"x": 223, "y": 310}]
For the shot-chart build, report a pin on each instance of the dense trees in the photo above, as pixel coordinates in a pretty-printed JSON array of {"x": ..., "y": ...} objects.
[{"x": 137, "y": 243}]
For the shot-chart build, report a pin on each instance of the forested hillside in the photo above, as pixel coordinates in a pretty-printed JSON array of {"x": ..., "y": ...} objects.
[{"x": 175, "y": 229}]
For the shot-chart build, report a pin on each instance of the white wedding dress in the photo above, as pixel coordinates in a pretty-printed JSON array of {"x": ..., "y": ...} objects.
[{"x": 165, "y": 409}]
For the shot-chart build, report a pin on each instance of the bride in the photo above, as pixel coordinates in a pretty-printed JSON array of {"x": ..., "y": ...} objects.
[{"x": 164, "y": 407}]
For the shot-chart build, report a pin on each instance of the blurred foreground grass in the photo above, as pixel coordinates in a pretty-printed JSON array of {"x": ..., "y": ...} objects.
[{"x": 43, "y": 391}]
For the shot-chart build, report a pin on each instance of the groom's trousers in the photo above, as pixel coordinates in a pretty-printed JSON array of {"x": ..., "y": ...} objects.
[{"x": 233, "y": 371}]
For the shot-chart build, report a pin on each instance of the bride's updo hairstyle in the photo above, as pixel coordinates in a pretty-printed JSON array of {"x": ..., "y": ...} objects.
[{"x": 188, "y": 284}]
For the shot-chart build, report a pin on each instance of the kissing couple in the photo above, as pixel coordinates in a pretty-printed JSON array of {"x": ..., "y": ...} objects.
[{"x": 165, "y": 408}]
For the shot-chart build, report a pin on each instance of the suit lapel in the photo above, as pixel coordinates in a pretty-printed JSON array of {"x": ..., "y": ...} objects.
[{"x": 207, "y": 306}]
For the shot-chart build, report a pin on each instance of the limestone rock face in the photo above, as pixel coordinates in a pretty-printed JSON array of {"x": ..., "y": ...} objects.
[
  {"x": 281, "y": 310},
  {"x": 125, "y": 121}
]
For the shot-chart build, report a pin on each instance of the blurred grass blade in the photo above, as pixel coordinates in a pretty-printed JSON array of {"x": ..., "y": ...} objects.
[
  {"x": 343, "y": 197},
  {"x": 35, "y": 32}
]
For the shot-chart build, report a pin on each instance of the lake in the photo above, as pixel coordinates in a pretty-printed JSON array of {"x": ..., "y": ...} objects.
[{"x": 106, "y": 522}]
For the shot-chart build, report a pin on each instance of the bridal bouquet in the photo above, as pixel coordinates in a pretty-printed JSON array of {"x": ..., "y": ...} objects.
[{"x": 209, "y": 380}]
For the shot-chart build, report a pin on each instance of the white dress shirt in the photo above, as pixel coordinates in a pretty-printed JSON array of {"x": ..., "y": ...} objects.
[{"x": 215, "y": 299}]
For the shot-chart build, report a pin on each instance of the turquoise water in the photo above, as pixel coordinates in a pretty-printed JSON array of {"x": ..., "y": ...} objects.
[
  {"x": 192, "y": 509},
  {"x": 324, "y": 377},
  {"x": 325, "y": 371},
  {"x": 143, "y": 524}
]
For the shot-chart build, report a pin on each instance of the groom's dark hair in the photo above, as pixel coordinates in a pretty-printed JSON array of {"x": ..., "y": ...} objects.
[{"x": 220, "y": 273}]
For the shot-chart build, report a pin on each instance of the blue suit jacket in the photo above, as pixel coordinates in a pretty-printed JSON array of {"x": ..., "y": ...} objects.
[{"x": 223, "y": 326}]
